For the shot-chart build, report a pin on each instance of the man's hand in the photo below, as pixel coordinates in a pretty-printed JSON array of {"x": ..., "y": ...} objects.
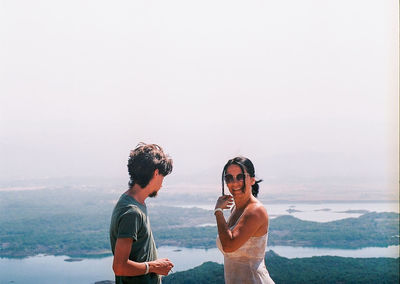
[{"x": 160, "y": 266}]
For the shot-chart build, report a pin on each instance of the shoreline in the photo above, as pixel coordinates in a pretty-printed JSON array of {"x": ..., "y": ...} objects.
[{"x": 178, "y": 249}]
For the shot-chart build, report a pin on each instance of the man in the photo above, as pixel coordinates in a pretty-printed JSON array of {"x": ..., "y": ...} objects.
[{"x": 132, "y": 243}]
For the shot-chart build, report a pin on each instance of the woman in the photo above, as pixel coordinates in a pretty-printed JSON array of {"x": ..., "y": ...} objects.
[{"x": 243, "y": 239}]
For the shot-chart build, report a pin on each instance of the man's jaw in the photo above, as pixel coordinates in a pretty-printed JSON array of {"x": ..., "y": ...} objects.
[{"x": 153, "y": 194}]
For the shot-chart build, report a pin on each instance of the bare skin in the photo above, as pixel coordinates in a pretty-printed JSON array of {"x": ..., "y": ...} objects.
[
  {"x": 249, "y": 214},
  {"x": 122, "y": 265}
]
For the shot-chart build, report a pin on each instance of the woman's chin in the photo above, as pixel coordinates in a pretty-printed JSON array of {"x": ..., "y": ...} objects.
[{"x": 237, "y": 193}]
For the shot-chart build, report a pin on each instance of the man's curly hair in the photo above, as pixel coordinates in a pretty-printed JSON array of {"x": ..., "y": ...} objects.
[{"x": 144, "y": 160}]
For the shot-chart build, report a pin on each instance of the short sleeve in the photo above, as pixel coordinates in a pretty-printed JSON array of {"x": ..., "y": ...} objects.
[{"x": 129, "y": 224}]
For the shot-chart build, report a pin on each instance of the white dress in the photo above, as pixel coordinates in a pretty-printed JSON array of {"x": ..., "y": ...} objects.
[{"x": 246, "y": 264}]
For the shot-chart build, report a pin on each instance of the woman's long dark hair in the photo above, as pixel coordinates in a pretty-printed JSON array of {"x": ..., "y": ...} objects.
[{"x": 247, "y": 167}]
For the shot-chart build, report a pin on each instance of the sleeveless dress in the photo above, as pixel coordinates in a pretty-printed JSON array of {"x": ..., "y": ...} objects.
[{"x": 246, "y": 264}]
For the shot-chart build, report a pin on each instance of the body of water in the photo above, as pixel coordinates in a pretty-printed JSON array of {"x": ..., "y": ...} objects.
[
  {"x": 49, "y": 269},
  {"x": 318, "y": 212}
]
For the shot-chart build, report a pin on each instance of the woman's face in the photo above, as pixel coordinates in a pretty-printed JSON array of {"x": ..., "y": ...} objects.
[{"x": 234, "y": 180}]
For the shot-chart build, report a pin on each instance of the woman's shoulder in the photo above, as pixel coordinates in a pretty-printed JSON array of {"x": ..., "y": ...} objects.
[{"x": 257, "y": 209}]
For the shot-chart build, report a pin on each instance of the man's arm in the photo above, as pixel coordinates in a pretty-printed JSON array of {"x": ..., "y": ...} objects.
[{"x": 123, "y": 266}]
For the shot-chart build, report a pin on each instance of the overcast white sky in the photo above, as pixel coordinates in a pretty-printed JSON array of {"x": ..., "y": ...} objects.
[{"x": 307, "y": 89}]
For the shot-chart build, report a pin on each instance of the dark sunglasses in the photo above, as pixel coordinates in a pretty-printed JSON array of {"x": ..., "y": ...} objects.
[{"x": 231, "y": 178}]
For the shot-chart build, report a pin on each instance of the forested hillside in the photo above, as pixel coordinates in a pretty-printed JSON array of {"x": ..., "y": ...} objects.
[
  {"x": 322, "y": 269},
  {"x": 59, "y": 223}
]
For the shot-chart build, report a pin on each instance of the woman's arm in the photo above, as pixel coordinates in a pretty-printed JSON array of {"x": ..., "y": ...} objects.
[{"x": 253, "y": 218}]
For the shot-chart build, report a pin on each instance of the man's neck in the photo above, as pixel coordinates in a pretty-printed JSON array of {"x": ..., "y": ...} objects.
[{"x": 138, "y": 193}]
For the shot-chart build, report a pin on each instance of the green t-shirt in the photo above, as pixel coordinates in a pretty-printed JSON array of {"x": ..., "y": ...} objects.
[{"x": 129, "y": 220}]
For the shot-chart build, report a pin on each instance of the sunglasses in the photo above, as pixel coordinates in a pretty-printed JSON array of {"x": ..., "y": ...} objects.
[{"x": 231, "y": 178}]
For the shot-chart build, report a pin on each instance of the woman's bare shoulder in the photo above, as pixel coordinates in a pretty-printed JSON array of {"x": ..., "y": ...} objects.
[
  {"x": 257, "y": 209},
  {"x": 256, "y": 214}
]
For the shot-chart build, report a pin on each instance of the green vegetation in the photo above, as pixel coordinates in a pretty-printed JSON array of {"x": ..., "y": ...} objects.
[
  {"x": 190, "y": 237},
  {"x": 323, "y": 269},
  {"x": 208, "y": 272},
  {"x": 163, "y": 217},
  {"x": 371, "y": 229},
  {"x": 74, "y": 222}
]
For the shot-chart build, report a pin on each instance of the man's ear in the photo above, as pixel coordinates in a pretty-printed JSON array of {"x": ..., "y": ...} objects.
[{"x": 155, "y": 174}]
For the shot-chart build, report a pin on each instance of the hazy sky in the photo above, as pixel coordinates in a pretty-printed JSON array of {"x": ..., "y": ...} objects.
[{"x": 307, "y": 89}]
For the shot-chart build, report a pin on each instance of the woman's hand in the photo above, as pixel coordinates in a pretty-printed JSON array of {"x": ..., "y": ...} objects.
[{"x": 224, "y": 202}]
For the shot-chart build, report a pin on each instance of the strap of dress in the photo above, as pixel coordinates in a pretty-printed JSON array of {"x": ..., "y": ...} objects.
[{"x": 233, "y": 226}]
